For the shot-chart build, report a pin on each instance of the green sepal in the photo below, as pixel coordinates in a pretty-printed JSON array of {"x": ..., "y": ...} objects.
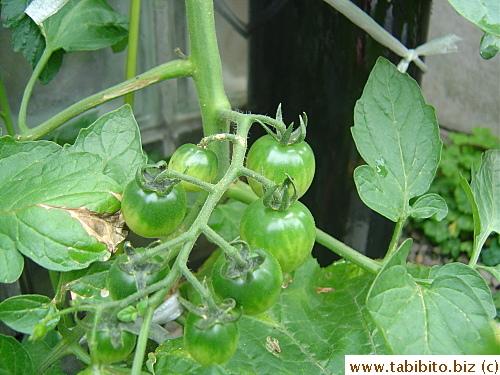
[
  {"x": 288, "y": 136},
  {"x": 152, "y": 178},
  {"x": 278, "y": 197}
]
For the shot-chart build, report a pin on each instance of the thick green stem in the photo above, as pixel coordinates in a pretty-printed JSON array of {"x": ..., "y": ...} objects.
[
  {"x": 207, "y": 74},
  {"x": 133, "y": 38},
  {"x": 347, "y": 252},
  {"x": 5, "y": 113},
  {"x": 23, "y": 127},
  {"x": 172, "y": 69}
]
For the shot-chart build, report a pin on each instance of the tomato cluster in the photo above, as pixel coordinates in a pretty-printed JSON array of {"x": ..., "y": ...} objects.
[{"x": 275, "y": 238}]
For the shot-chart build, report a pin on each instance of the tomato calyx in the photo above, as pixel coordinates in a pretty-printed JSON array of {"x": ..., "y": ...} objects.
[
  {"x": 212, "y": 315},
  {"x": 253, "y": 257},
  {"x": 288, "y": 136},
  {"x": 138, "y": 266},
  {"x": 152, "y": 178},
  {"x": 278, "y": 196}
]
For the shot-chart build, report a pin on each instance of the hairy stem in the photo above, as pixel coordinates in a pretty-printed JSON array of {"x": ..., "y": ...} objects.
[{"x": 207, "y": 74}]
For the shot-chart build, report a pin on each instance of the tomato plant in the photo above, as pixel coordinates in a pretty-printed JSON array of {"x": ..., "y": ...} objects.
[
  {"x": 214, "y": 344},
  {"x": 256, "y": 288},
  {"x": 196, "y": 162},
  {"x": 108, "y": 351},
  {"x": 150, "y": 214},
  {"x": 288, "y": 235},
  {"x": 124, "y": 274},
  {"x": 274, "y": 161}
]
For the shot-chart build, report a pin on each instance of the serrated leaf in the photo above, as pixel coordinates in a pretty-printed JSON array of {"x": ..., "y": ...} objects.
[
  {"x": 84, "y": 25},
  {"x": 14, "y": 359},
  {"x": 225, "y": 219},
  {"x": 447, "y": 314},
  {"x": 397, "y": 134},
  {"x": 59, "y": 205},
  {"x": 483, "y": 13},
  {"x": 13, "y": 11},
  {"x": 485, "y": 186},
  {"x": 116, "y": 138},
  {"x": 429, "y": 205},
  {"x": 320, "y": 317},
  {"x": 22, "y": 313}
]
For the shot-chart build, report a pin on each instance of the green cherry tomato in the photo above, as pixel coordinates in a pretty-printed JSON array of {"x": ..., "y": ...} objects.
[
  {"x": 288, "y": 235},
  {"x": 256, "y": 291},
  {"x": 267, "y": 157},
  {"x": 106, "y": 353},
  {"x": 215, "y": 344},
  {"x": 195, "y": 162},
  {"x": 122, "y": 284},
  {"x": 151, "y": 215}
]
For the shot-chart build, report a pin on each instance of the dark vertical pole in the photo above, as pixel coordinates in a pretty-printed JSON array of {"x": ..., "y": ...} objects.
[{"x": 310, "y": 58}]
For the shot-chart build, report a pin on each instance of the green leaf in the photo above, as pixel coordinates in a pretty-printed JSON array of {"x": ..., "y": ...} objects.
[
  {"x": 448, "y": 313},
  {"x": 28, "y": 38},
  {"x": 320, "y": 317},
  {"x": 38, "y": 352},
  {"x": 495, "y": 271},
  {"x": 84, "y": 25},
  {"x": 58, "y": 203},
  {"x": 90, "y": 283},
  {"x": 397, "y": 134},
  {"x": 14, "y": 359},
  {"x": 428, "y": 205},
  {"x": 485, "y": 186},
  {"x": 13, "y": 11},
  {"x": 225, "y": 219},
  {"x": 483, "y": 13},
  {"x": 68, "y": 133},
  {"x": 22, "y": 313},
  {"x": 115, "y": 137},
  {"x": 491, "y": 255}
]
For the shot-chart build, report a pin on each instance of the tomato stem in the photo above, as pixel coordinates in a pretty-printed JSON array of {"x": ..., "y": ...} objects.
[
  {"x": 172, "y": 69},
  {"x": 133, "y": 38},
  {"x": 347, "y": 252}
]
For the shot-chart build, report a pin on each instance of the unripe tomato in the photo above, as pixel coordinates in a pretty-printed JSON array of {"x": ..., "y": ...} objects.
[
  {"x": 151, "y": 215},
  {"x": 122, "y": 284},
  {"x": 215, "y": 344},
  {"x": 288, "y": 235},
  {"x": 255, "y": 291},
  {"x": 195, "y": 162},
  {"x": 106, "y": 353},
  {"x": 273, "y": 160}
]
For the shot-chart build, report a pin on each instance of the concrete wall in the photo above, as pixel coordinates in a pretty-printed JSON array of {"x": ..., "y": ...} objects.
[{"x": 464, "y": 88}]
